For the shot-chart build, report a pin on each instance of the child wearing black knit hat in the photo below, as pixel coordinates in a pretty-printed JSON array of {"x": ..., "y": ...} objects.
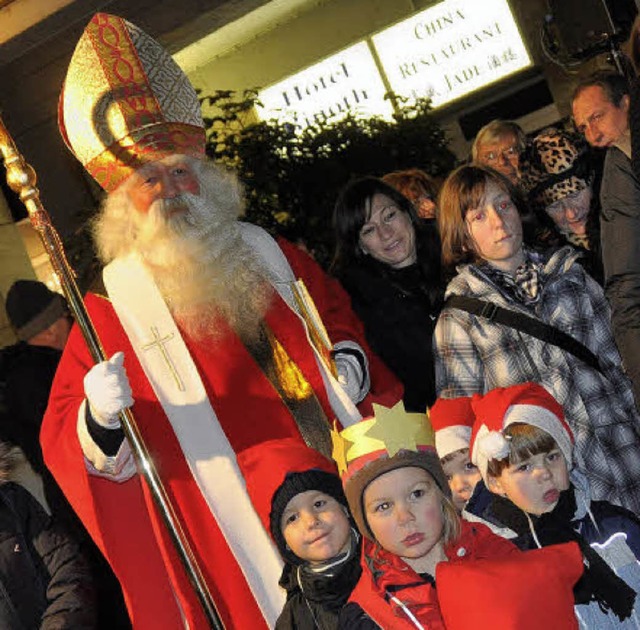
[{"x": 299, "y": 497}]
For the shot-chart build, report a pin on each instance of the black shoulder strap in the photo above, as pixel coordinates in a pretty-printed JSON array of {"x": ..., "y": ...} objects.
[{"x": 526, "y": 324}]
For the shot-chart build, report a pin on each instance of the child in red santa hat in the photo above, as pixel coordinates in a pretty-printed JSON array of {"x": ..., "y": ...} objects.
[
  {"x": 452, "y": 419},
  {"x": 522, "y": 446},
  {"x": 298, "y": 495},
  {"x": 414, "y": 539}
]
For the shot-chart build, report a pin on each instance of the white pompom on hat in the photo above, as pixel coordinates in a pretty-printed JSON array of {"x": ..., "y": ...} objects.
[{"x": 526, "y": 403}]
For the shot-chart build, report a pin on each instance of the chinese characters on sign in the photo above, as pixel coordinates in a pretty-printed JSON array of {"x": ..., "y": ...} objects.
[
  {"x": 451, "y": 49},
  {"x": 444, "y": 52}
]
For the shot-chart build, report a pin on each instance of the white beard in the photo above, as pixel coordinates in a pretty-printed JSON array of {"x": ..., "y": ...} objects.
[{"x": 192, "y": 246}]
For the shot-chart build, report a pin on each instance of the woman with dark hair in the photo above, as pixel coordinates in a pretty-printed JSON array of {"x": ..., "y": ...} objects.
[
  {"x": 514, "y": 315},
  {"x": 389, "y": 262}
]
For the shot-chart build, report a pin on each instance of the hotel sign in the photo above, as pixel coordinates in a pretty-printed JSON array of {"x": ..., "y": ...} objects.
[
  {"x": 447, "y": 51},
  {"x": 451, "y": 49},
  {"x": 346, "y": 82}
]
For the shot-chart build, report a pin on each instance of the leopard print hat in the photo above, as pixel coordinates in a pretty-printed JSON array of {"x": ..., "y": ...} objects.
[{"x": 554, "y": 166}]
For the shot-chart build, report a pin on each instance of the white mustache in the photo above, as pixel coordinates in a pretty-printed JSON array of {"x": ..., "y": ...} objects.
[{"x": 191, "y": 206}]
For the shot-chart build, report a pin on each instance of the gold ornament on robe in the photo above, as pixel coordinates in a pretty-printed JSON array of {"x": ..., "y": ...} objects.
[{"x": 292, "y": 381}]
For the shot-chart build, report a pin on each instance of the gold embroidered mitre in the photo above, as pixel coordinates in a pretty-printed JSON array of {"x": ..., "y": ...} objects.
[{"x": 125, "y": 102}]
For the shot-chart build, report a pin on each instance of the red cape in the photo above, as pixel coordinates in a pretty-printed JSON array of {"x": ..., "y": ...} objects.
[{"x": 121, "y": 517}]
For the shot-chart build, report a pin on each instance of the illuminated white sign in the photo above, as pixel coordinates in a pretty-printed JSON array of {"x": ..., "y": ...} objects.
[
  {"x": 346, "y": 82},
  {"x": 451, "y": 49}
]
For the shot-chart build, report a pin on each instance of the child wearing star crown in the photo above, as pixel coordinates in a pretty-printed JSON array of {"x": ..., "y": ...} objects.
[
  {"x": 413, "y": 538},
  {"x": 523, "y": 447}
]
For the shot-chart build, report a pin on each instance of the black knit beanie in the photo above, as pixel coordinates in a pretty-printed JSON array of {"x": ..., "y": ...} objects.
[
  {"x": 32, "y": 307},
  {"x": 294, "y": 484}
]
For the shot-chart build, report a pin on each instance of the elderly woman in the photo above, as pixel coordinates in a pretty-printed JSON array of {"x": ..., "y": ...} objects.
[
  {"x": 418, "y": 187},
  {"x": 499, "y": 145},
  {"x": 514, "y": 315},
  {"x": 558, "y": 176},
  {"x": 389, "y": 262}
]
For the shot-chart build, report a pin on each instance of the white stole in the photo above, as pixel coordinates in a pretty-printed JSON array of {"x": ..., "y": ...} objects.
[{"x": 176, "y": 382}]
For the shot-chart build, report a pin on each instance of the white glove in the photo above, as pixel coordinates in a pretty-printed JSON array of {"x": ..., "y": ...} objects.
[
  {"x": 108, "y": 392},
  {"x": 353, "y": 369}
]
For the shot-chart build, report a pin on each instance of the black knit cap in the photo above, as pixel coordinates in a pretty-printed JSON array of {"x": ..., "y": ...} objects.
[
  {"x": 32, "y": 307},
  {"x": 294, "y": 484}
]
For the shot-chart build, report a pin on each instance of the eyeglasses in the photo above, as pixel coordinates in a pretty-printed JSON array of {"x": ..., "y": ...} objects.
[{"x": 492, "y": 156}]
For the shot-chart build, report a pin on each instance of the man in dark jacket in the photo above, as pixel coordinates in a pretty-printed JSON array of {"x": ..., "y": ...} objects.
[
  {"x": 41, "y": 322},
  {"x": 600, "y": 110}
]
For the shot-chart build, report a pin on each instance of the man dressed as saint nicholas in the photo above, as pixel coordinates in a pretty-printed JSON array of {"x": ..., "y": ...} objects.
[{"x": 212, "y": 341}]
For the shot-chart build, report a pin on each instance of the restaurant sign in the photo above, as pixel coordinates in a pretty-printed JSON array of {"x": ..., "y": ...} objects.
[{"x": 451, "y": 49}]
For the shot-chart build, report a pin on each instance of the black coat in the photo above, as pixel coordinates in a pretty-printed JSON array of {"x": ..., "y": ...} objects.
[
  {"x": 44, "y": 580},
  {"x": 399, "y": 316},
  {"x": 26, "y": 374},
  {"x": 314, "y": 602}
]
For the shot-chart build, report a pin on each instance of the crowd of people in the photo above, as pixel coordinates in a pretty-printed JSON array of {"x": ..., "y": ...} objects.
[{"x": 440, "y": 432}]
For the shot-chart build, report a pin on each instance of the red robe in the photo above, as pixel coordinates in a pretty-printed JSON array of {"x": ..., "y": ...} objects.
[{"x": 121, "y": 517}]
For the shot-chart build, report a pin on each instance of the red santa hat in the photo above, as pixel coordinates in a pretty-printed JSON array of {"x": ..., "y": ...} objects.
[
  {"x": 452, "y": 420},
  {"x": 278, "y": 470},
  {"x": 125, "y": 102},
  {"x": 527, "y": 403}
]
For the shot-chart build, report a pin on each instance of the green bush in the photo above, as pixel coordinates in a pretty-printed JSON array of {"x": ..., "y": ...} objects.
[{"x": 292, "y": 175}]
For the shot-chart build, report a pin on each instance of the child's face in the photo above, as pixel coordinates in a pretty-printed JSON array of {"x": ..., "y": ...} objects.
[
  {"x": 462, "y": 476},
  {"x": 404, "y": 510},
  {"x": 534, "y": 484},
  {"x": 496, "y": 229},
  {"x": 315, "y": 526}
]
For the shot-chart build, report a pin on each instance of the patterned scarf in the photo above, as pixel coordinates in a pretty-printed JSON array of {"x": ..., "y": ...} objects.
[
  {"x": 331, "y": 567},
  {"x": 525, "y": 284}
]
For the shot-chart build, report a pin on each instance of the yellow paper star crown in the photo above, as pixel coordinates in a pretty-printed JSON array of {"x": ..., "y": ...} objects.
[{"x": 390, "y": 429}]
